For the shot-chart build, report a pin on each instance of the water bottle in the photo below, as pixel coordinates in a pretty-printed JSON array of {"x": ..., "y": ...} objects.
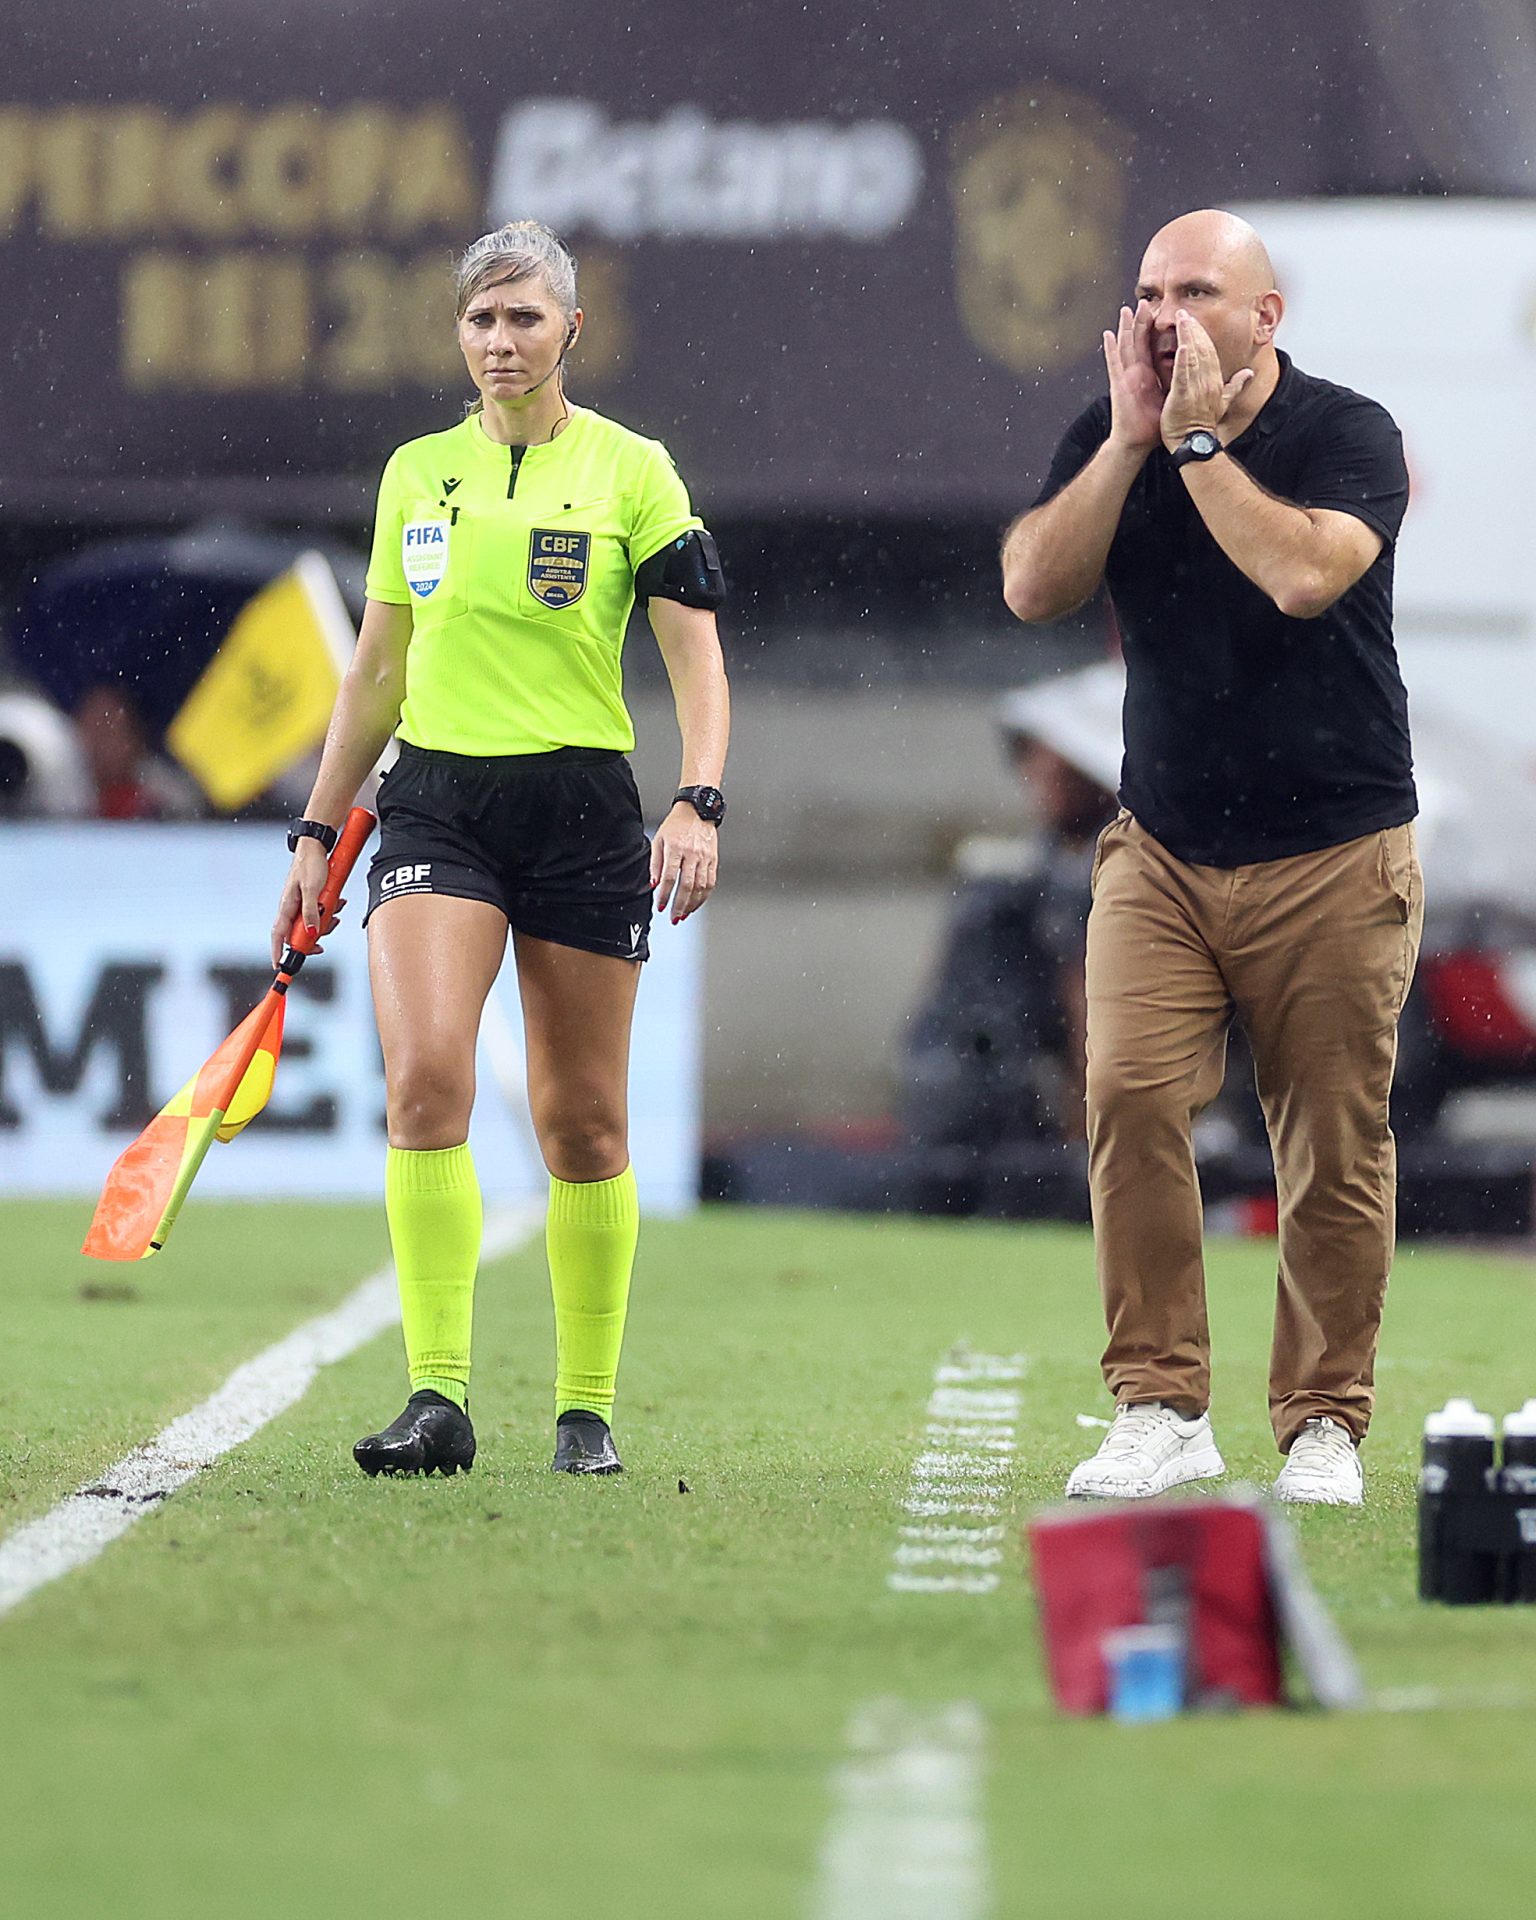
[
  {"x": 1517, "y": 1476},
  {"x": 1145, "y": 1668},
  {"x": 1519, "y": 1469},
  {"x": 1458, "y": 1460}
]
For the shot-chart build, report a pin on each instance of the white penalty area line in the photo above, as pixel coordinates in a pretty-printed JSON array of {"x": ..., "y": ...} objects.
[{"x": 88, "y": 1521}]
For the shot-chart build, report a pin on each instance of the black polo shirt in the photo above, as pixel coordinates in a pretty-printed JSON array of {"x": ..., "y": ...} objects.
[{"x": 1250, "y": 736}]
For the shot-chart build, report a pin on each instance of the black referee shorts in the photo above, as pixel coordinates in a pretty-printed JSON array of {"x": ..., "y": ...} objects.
[{"x": 555, "y": 840}]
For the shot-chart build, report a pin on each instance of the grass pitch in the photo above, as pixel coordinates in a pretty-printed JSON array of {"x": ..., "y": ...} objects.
[{"x": 293, "y": 1690}]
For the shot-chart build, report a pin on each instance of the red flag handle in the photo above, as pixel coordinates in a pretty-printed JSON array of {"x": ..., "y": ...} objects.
[{"x": 354, "y": 837}]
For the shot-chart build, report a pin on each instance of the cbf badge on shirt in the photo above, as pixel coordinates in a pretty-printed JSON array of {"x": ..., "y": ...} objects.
[
  {"x": 557, "y": 566},
  {"x": 424, "y": 555}
]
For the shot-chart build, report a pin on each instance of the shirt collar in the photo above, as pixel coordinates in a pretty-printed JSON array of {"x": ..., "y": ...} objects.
[
  {"x": 491, "y": 449},
  {"x": 1275, "y": 409}
]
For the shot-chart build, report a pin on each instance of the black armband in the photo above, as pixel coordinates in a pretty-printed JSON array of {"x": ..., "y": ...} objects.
[{"x": 687, "y": 570}]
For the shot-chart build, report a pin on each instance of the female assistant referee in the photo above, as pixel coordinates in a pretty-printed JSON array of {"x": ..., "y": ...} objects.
[{"x": 507, "y": 554}]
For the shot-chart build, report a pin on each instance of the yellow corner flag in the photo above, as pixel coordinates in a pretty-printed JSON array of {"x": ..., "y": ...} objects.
[{"x": 265, "y": 697}]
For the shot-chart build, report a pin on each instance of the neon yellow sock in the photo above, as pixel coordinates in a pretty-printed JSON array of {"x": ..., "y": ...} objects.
[
  {"x": 590, "y": 1236},
  {"x": 435, "y": 1219}
]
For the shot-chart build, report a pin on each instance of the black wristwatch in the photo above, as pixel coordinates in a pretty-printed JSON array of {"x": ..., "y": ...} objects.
[
  {"x": 1202, "y": 444},
  {"x": 707, "y": 802},
  {"x": 311, "y": 830}
]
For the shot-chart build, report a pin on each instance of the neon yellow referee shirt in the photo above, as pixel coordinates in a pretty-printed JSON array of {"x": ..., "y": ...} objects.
[{"x": 518, "y": 565}]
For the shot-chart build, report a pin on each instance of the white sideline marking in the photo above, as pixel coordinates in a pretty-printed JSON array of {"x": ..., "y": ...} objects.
[
  {"x": 972, "y": 1534},
  {"x": 942, "y": 1582},
  {"x": 952, "y": 1554},
  {"x": 970, "y": 1440},
  {"x": 907, "y": 1840},
  {"x": 1451, "y": 1700},
  {"x": 907, "y": 1836},
  {"x": 85, "y": 1523},
  {"x": 938, "y": 1509}
]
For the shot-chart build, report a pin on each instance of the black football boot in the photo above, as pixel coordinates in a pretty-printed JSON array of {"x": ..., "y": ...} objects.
[
  {"x": 583, "y": 1444},
  {"x": 431, "y": 1436}
]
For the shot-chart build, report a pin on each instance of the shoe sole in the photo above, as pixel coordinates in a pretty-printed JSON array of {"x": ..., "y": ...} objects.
[
  {"x": 1207, "y": 1464},
  {"x": 586, "y": 1473},
  {"x": 1288, "y": 1497},
  {"x": 410, "y": 1473}
]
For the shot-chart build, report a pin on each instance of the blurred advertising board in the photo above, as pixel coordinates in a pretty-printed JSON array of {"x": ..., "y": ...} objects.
[
  {"x": 840, "y": 260},
  {"x": 131, "y": 951}
]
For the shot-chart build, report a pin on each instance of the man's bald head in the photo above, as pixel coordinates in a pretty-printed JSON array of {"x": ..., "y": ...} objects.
[
  {"x": 1217, "y": 268},
  {"x": 1224, "y": 243}
]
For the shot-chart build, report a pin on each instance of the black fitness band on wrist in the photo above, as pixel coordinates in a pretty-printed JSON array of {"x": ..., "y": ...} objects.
[{"x": 311, "y": 830}]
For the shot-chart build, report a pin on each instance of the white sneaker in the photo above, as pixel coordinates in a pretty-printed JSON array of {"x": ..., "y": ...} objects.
[
  {"x": 1322, "y": 1468},
  {"x": 1148, "y": 1450}
]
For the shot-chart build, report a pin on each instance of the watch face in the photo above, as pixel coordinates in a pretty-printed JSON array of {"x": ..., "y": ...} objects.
[
  {"x": 710, "y": 803},
  {"x": 1204, "y": 443}
]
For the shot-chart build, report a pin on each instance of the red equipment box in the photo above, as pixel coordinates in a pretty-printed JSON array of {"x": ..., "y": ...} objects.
[{"x": 1221, "y": 1571}]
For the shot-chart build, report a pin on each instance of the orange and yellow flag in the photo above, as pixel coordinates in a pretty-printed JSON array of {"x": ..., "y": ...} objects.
[
  {"x": 144, "y": 1192},
  {"x": 151, "y": 1176}
]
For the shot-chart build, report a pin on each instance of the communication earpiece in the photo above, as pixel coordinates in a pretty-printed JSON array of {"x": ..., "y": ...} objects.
[{"x": 570, "y": 335}]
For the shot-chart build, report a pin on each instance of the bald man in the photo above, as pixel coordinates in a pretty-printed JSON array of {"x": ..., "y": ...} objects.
[{"x": 1242, "y": 514}]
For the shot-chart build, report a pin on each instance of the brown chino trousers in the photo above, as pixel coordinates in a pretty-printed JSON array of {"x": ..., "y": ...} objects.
[{"x": 1313, "y": 956}]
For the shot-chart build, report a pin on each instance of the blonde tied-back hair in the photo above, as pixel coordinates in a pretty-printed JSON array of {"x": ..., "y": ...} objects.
[{"x": 515, "y": 252}]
